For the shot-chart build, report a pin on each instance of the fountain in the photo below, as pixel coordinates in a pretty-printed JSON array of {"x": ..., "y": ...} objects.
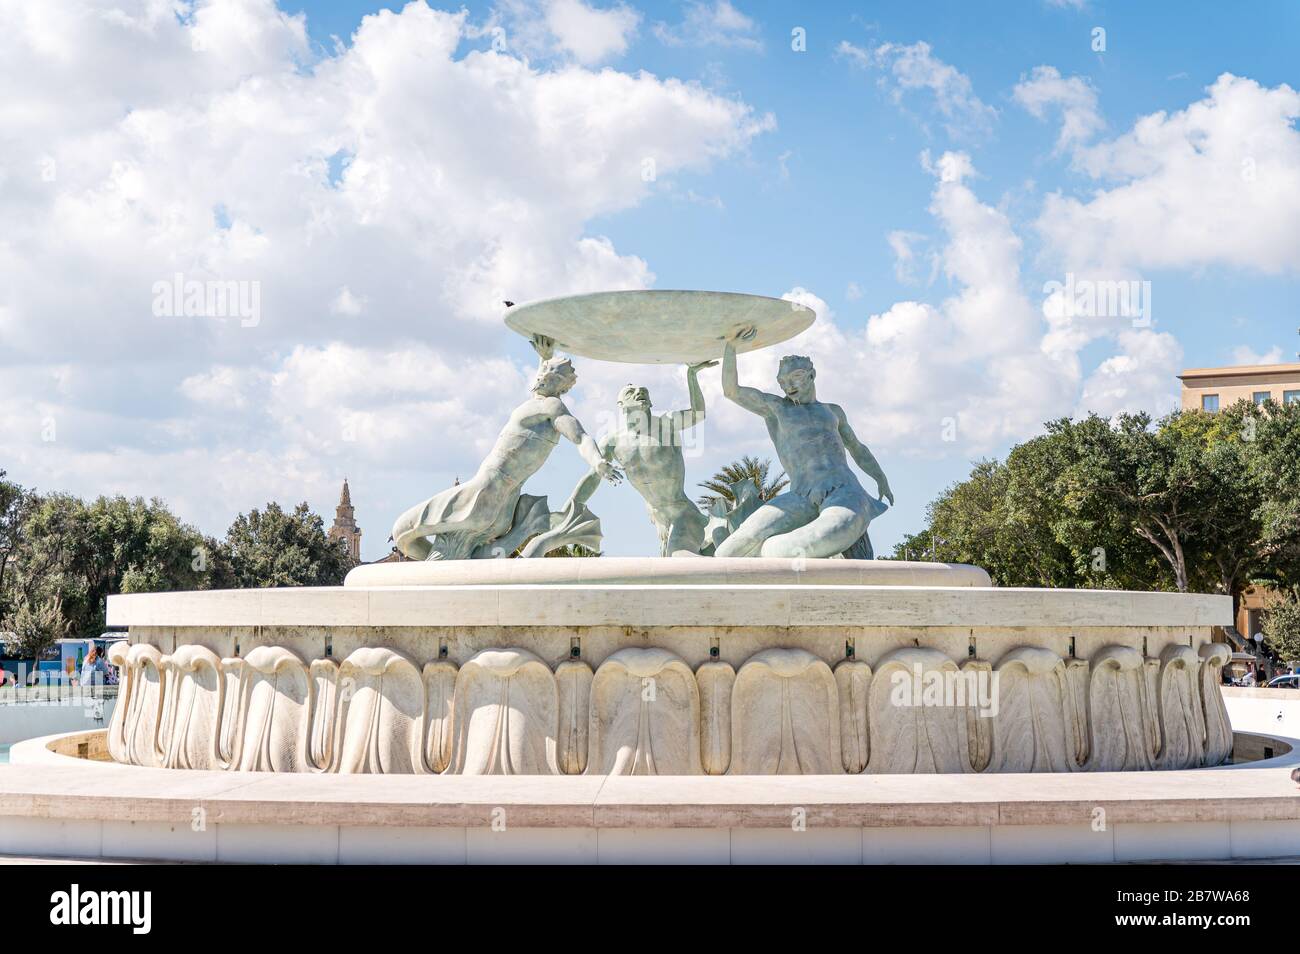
[
  {"x": 763, "y": 640},
  {"x": 477, "y": 703}
]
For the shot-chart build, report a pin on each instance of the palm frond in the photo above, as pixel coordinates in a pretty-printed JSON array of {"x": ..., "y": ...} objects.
[{"x": 747, "y": 468}]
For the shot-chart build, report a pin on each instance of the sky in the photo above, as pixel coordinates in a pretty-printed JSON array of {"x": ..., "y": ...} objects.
[{"x": 356, "y": 187}]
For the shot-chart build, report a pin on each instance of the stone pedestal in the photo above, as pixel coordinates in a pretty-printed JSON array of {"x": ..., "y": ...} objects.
[{"x": 670, "y": 667}]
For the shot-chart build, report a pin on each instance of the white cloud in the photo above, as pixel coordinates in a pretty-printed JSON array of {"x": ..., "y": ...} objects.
[
  {"x": 981, "y": 368},
  {"x": 1244, "y": 354},
  {"x": 1075, "y": 97},
  {"x": 1215, "y": 183},
  {"x": 406, "y": 176},
  {"x": 909, "y": 68},
  {"x": 346, "y": 303},
  {"x": 973, "y": 363},
  {"x": 592, "y": 35},
  {"x": 1137, "y": 378},
  {"x": 903, "y": 245},
  {"x": 712, "y": 24}
]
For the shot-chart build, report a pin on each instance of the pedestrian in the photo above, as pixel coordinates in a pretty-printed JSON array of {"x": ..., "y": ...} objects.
[{"x": 93, "y": 669}]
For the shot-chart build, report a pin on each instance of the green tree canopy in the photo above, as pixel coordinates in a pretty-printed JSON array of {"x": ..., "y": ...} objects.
[
  {"x": 270, "y": 547},
  {"x": 1282, "y": 627},
  {"x": 1196, "y": 501},
  {"x": 61, "y": 557}
]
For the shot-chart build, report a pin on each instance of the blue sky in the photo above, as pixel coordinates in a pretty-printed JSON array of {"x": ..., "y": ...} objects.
[{"x": 791, "y": 171}]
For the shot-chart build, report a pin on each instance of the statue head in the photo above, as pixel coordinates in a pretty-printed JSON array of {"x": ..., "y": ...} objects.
[
  {"x": 633, "y": 398},
  {"x": 634, "y": 402},
  {"x": 797, "y": 378},
  {"x": 555, "y": 377}
]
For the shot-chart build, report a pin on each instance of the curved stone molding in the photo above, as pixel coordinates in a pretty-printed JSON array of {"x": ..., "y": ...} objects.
[
  {"x": 909, "y": 733},
  {"x": 1119, "y": 712},
  {"x": 1182, "y": 727},
  {"x": 853, "y": 681},
  {"x": 643, "y": 711},
  {"x": 1214, "y": 712},
  {"x": 1034, "y": 728},
  {"x": 117, "y": 655},
  {"x": 228, "y": 728},
  {"x": 271, "y": 714},
  {"x": 439, "y": 690},
  {"x": 506, "y": 715},
  {"x": 192, "y": 696},
  {"x": 979, "y": 728},
  {"x": 1151, "y": 667},
  {"x": 324, "y": 674},
  {"x": 1076, "y": 676},
  {"x": 645, "y": 715},
  {"x": 785, "y": 716},
  {"x": 142, "y": 705},
  {"x": 716, "y": 681},
  {"x": 379, "y": 726},
  {"x": 573, "y": 679}
]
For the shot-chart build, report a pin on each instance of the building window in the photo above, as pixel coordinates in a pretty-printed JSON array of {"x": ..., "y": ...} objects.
[
  {"x": 1210, "y": 402},
  {"x": 1260, "y": 397},
  {"x": 1289, "y": 397}
]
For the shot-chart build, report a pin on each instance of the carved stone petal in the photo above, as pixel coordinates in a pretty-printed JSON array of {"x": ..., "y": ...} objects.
[
  {"x": 1033, "y": 728},
  {"x": 645, "y": 715},
  {"x": 908, "y": 735},
  {"x": 1214, "y": 713},
  {"x": 143, "y": 704},
  {"x": 1181, "y": 725},
  {"x": 272, "y": 719},
  {"x": 785, "y": 716},
  {"x": 1118, "y": 712},
  {"x": 506, "y": 715},
  {"x": 380, "y": 722},
  {"x": 187, "y": 731}
]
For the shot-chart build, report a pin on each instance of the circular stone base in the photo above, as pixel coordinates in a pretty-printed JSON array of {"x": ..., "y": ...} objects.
[{"x": 659, "y": 571}]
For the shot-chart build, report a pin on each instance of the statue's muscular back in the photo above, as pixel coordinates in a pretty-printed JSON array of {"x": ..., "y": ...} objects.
[{"x": 527, "y": 439}]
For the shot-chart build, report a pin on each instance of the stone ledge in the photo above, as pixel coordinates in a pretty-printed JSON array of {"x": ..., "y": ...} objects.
[
  {"x": 48, "y": 786},
  {"x": 733, "y": 571},
  {"x": 651, "y": 605}
]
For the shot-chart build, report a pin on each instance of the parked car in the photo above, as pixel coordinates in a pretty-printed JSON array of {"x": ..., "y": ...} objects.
[{"x": 1291, "y": 681}]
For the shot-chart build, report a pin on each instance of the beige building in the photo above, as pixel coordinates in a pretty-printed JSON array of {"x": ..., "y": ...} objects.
[{"x": 1212, "y": 388}]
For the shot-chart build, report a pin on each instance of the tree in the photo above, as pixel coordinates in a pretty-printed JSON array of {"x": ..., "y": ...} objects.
[
  {"x": 13, "y": 508},
  {"x": 1152, "y": 480},
  {"x": 273, "y": 548},
  {"x": 993, "y": 520},
  {"x": 71, "y": 555},
  {"x": 1183, "y": 504},
  {"x": 747, "y": 468},
  {"x": 1282, "y": 627},
  {"x": 1276, "y": 465},
  {"x": 36, "y": 627}
]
